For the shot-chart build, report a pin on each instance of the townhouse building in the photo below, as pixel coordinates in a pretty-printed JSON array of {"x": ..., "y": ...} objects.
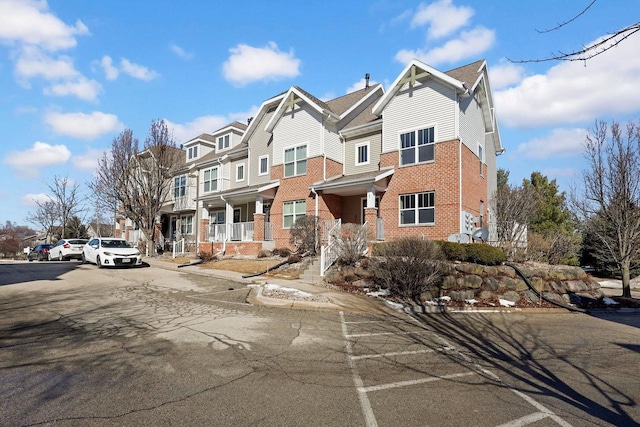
[{"x": 419, "y": 159}]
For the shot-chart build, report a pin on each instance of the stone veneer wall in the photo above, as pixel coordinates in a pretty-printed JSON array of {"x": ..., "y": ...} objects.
[{"x": 481, "y": 282}]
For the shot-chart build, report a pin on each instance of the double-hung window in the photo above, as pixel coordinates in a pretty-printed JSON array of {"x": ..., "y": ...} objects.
[
  {"x": 481, "y": 157},
  {"x": 291, "y": 211},
  {"x": 211, "y": 180},
  {"x": 240, "y": 172},
  {"x": 362, "y": 154},
  {"x": 223, "y": 142},
  {"x": 417, "y": 208},
  {"x": 263, "y": 167},
  {"x": 186, "y": 224},
  {"x": 417, "y": 146},
  {"x": 192, "y": 152},
  {"x": 179, "y": 186},
  {"x": 295, "y": 161}
]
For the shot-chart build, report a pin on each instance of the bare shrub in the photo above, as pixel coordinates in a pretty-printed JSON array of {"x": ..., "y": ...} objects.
[
  {"x": 264, "y": 253},
  {"x": 304, "y": 234},
  {"x": 408, "y": 267},
  {"x": 352, "y": 243}
]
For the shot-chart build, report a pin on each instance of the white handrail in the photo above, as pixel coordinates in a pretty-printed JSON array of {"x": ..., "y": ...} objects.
[{"x": 178, "y": 247}]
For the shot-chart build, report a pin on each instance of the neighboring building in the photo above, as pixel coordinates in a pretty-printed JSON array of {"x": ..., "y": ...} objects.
[
  {"x": 417, "y": 160},
  {"x": 95, "y": 229}
]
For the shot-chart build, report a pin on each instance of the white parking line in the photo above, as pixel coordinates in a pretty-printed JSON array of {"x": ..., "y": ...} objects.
[
  {"x": 373, "y": 334},
  {"x": 526, "y": 420},
  {"x": 365, "y": 404},
  {"x": 398, "y": 353},
  {"x": 413, "y": 382}
]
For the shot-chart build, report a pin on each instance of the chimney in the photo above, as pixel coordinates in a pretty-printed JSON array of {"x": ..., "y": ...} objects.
[{"x": 366, "y": 80}]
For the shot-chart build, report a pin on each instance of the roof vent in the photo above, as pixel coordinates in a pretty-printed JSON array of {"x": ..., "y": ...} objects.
[
  {"x": 249, "y": 120},
  {"x": 366, "y": 81}
]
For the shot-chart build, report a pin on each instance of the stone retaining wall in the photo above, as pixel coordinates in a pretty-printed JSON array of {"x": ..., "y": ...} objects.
[{"x": 464, "y": 281}]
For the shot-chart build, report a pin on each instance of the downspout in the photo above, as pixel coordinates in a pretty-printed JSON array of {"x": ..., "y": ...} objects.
[
  {"x": 226, "y": 225},
  {"x": 457, "y": 121},
  {"x": 324, "y": 156},
  {"x": 197, "y": 210},
  {"x": 315, "y": 195}
]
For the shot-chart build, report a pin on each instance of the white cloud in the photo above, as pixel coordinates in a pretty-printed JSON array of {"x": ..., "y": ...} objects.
[
  {"x": 248, "y": 64},
  {"x": 204, "y": 124},
  {"x": 576, "y": 92},
  {"x": 33, "y": 62},
  {"x": 41, "y": 155},
  {"x": 560, "y": 143},
  {"x": 180, "y": 51},
  {"x": 360, "y": 85},
  {"x": 111, "y": 72},
  {"x": 137, "y": 71},
  {"x": 87, "y": 161},
  {"x": 442, "y": 17},
  {"x": 29, "y": 22},
  {"x": 34, "y": 199},
  {"x": 83, "y": 126},
  {"x": 505, "y": 74},
  {"x": 559, "y": 172},
  {"x": 82, "y": 88},
  {"x": 470, "y": 44}
]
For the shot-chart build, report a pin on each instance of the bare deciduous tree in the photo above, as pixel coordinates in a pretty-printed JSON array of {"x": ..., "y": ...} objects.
[
  {"x": 515, "y": 208},
  {"x": 67, "y": 199},
  {"x": 608, "y": 202},
  {"x": 587, "y": 52},
  {"x": 139, "y": 181},
  {"x": 45, "y": 216}
]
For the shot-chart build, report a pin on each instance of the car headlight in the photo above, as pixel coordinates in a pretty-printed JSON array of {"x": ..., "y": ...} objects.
[
  {"x": 109, "y": 253},
  {"x": 137, "y": 252}
]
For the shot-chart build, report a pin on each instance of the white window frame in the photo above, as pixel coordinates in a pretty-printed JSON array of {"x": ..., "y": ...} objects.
[
  {"x": 416, "y": 146},
  {"x": 217, "y": 213},
  {"x": 186, "y": 224},
  {"x": 416, "y": 209},
  {"x": 481, "y": 157},
  {"x": 295, "y": 161},
  {"x": 224, "y": 142},
  {"x": 192, "y": 152},
  {"x": 294, "y": 215},
  {"x": 260, "y": 159},
  {"x": 179, "y": 186},
  {"x": 366, "y": 144},
  {"x": 240, "y": 171},
  {"x": 210, "y": 181}
]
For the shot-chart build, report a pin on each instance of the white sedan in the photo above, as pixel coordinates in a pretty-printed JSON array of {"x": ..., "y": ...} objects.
[{"x": 111, "y": 252}]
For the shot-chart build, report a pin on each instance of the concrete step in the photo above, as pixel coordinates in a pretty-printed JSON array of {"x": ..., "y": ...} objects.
[{"x": 312, "y": 273}]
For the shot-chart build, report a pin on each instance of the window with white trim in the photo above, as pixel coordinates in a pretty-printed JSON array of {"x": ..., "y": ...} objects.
[
  {"x": 216, "y": 217},
  {"x": 417, "y": 208},
  {"x": 179, "y": 186},
  {"x": 417, "y": 146},
  {"x": 291, "y": 211},
  {"x": 186, "y": 224},
  {"x": 295, "y": 161},
  {"x": 210, "y": 180},
  {"x": 192, "y": 152},
  {"x": 362, "y": 153},
  {"x": 223, "y": 142},
  {"x": 263, "y": 165},
  {"x": 240, "y": 172},
  {"x": 481, "y": 157}
]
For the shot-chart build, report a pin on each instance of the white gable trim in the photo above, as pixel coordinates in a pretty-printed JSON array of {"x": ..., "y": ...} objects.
[
  {"x": 283, "y": 106},
  {"x": 397, "y": 85}
]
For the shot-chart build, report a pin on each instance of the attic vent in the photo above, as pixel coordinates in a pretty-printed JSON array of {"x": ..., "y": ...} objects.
[{"x": 366, "y": 81}]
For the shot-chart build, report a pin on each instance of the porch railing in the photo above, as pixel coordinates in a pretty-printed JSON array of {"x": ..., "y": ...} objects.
[
  {"x": 178, "y": 248},
  {"x": 326, "y": 227},
  {"x": 242, "y": 231},
  {"x": 268, "y": 231},
  {"x": 330, "y": 252},
  {"x": 379, "y": 229}
]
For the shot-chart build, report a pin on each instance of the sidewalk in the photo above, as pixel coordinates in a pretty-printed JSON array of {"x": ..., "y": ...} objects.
[{"x": 301, "y": 294}]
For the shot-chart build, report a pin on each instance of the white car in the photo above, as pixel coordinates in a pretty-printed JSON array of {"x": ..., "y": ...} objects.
[
  {"x": 66, "y": 249},
  {"x": 111, "y": 252}
]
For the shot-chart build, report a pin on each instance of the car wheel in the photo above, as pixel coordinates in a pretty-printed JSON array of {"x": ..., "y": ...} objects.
[
  {"x": 82, "y": 260},
  {"x": 60, "y": 257},
  {"x": 49, "y": 257},
  {"x": 30, "y": 259},
  {"x": 98, "y": 262}
]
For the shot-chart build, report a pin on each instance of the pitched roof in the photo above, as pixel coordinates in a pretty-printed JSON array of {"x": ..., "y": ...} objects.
[
  {"x": 343, "y": 103},
  {"x": 469, "y": 73}
]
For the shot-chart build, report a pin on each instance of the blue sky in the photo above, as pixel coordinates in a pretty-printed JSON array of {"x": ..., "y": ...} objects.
[{"x": 75, "y": 73}]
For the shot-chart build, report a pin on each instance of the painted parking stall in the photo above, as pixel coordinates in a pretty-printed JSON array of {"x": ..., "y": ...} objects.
[{"x": 405, "y": 374}]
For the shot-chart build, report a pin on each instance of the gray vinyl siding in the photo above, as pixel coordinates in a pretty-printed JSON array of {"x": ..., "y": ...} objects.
[
  {"x": 259, "y": 146},
  {"x": 374, "y": 140},
  {"x": 232, "y": 173},
  {"x": 332, "y": 144},
  {"x": 471, "y": 124},
  {"x": 302, "y": 126},
  {"x": 429, "y": 103}
]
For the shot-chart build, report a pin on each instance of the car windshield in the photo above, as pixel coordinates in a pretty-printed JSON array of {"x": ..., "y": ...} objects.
[
  {"x": 77, "y": 242},
  {"x": 116, "y": 244}
]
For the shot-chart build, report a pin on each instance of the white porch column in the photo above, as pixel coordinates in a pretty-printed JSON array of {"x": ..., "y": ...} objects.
[
  {"x": 259, "y": 204},
  {"x": 371, "y": 197}
]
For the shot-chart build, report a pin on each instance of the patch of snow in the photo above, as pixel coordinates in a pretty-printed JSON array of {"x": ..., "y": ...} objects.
[
  {"x": 445, "y": 298},
  {"x": 380, "y": 293},
  {"x": 394, "y": 305},
  {"x": 471, "y": 301},
  {"x": 506, "y": 303},
  {"x": 609, "y": 301},
  {"x": 610, "y": 284}
]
